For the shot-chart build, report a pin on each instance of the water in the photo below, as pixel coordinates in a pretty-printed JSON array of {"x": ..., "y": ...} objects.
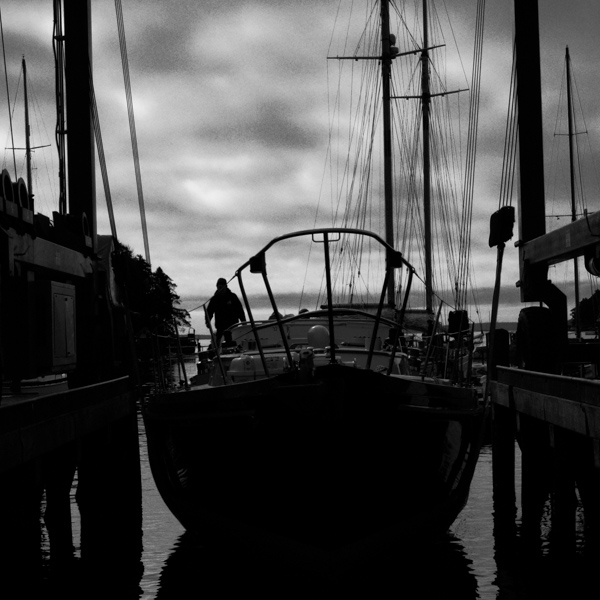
[
  {"x": 462, "y": 565},
  {"x": 469, "y": 563}
]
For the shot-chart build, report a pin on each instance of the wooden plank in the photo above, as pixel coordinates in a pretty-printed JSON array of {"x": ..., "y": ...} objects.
[
  {"x": 47, "y": 423},
  {"x": 573, "y": 388},
  {"x": 564, "y": 243},
  {"x": 39, "y": 252},
  {"x": 539, "y": 399}
]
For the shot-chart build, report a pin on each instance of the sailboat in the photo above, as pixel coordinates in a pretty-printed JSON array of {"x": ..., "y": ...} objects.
[{"x": 315, "y": 441}]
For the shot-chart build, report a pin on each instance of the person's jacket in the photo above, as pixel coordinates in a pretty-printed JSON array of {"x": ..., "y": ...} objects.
[{"x": 227, "y": 309}]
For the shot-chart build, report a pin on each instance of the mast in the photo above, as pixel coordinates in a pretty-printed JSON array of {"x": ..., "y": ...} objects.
[
  {"x": 572, "y": 172},
  {"x": 27, "y": 135},
  {"x": 386, "y": 63},
  {"x": 532, "y": 209},
  {"x": 425, "y": 107},
  {"x": 81, "y": 177}
]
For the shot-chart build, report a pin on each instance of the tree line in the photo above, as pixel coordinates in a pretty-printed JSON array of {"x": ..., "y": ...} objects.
[
  {"x": 149, "y": 295},
  {"x": 588, "y": 312}
]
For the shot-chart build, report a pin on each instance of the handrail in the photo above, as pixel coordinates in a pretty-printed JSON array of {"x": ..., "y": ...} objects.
[
  {"x": 322, "y": 230},
  {"x": 257, "y": 264},
  {"x": 253, "y": 325}
]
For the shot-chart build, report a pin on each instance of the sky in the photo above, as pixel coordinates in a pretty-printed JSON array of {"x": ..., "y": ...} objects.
[{"x": 231, "y": 112}]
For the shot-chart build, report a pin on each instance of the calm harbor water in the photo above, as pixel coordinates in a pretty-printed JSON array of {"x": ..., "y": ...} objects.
[
  {"x": 468, "y": 563},
  {"x": 473, "y": 561}
]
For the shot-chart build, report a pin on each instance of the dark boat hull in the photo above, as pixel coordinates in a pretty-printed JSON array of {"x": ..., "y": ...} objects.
[{"x": 322, "y": 473}]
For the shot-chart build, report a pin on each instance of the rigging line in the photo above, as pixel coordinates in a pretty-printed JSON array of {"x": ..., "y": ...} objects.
[
  {"x": 454, "y": 34},
  {"x": 447, "y": 206},
  {"x": 407, "y": 29},
  {"x": 582, "y": 193},
  {"x": 471, "y": 150},
  {"x": 334, "y": 27},
  {"x": 511, "y": 181},
  {"x": 509, "y": 139},
  {"x": 472, "y": 144},
  {"x": 595, "y": 171},
  {"x": 102, "y": 157},
  {"x": 328, "y": 160},
  {"x": 12, "y": 137},
  {"x": 510, "y": 143},
  {"x": 572, "y": 133},
  {"x": 577, "y": 145},
  {"x": 435, "y": 294},
  {"x": 12, "y": 110},
  {"x": 345, "y": 175},
  {"x": 40, "y": 126},
  {"x": 555, "y": 147},
  {"x": 132, "y": 130}
]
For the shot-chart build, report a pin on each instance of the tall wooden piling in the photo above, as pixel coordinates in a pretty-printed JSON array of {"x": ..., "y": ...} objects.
[
  {"x": 503, "y": 467},
  {"x": 20, "y": 530},
  {"x": 109, "y": 500},
  {"x": 503, "y": 444},
  {"x": 536, "y": 471},
  {"x": 565, "y": 453},
  {"x": 58, "y": 471}
]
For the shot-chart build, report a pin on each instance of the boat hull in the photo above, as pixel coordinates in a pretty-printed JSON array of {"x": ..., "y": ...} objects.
[{"x": 322, "y": 473}]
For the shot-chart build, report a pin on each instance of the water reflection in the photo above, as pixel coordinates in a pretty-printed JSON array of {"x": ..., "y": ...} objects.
[
  {"x": 439, "y": 569},
  {"x": 484, "y": 557},
  {"x": 544, "y": 566}
]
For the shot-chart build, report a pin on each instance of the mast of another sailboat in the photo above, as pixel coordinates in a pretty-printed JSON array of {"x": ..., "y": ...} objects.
[
  {"x": 386, "y": 64},
  {"x": 27, "y": 136},
  {"x": 425, "y": 104},
  {"x": 572, "y": 172},
  {"x": 386, "y": 60}
]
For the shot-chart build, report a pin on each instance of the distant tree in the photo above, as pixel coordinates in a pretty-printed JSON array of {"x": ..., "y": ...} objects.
[
  {"x": 588, "y": 311},
  {"x": 150, "y": 296}
]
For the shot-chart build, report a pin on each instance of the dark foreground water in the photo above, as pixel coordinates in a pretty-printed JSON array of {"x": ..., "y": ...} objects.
[{"x": 470, "y": 562}]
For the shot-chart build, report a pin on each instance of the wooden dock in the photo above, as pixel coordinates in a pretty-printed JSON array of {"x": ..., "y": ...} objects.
[
  {"x": 556, "y": 422},
  {"x": 90, "y": 435},
  {"x": 555, "y": 419}
]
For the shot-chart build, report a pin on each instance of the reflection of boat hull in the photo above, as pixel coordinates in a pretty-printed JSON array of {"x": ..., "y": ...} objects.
[{"x": 323, "y": 472}]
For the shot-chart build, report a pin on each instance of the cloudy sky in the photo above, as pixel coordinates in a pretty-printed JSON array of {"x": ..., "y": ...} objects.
[{"x": 231, "y": 110}]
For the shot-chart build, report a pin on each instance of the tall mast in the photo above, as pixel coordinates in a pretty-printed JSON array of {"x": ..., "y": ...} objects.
[
  {"x": 532, "y": 209},
  {"x": 425, "y": 106},
  {"x": 572, "y": 172},
  {"x": 27, "y": 133},
  {"x": 81, "y": 177},
  {"x": 386, "y": 62}
]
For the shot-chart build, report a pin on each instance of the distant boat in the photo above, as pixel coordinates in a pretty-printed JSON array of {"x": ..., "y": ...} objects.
[
  {"x": 314, "y": 441},
  {"x": 187, "y": 339}
]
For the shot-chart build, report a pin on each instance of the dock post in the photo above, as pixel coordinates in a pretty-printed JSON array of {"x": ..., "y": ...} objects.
[
  {"x": 503, "y": 444},
  {"x": 534, "y": 441},
  {"x": 563, "y": 498},
  {"x": 59, "y": 471},
  {"x": 588, "y": 483},
  {"x": 110, "y": 504},
  {"x": 503, "y": 468},
  {"x": 20, "y": 528}
]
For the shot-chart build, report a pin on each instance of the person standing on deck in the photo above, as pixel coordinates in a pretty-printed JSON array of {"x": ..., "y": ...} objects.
[{"x": 226, "y": 307}]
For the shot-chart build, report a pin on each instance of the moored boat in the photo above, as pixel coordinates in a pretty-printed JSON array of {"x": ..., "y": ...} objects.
[
  {"x": 323, "y": 437},
  {"x": 319, "y": 450}
]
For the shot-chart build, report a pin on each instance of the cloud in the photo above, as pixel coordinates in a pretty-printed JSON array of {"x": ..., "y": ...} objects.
[{"x": 232, "y": 113}]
